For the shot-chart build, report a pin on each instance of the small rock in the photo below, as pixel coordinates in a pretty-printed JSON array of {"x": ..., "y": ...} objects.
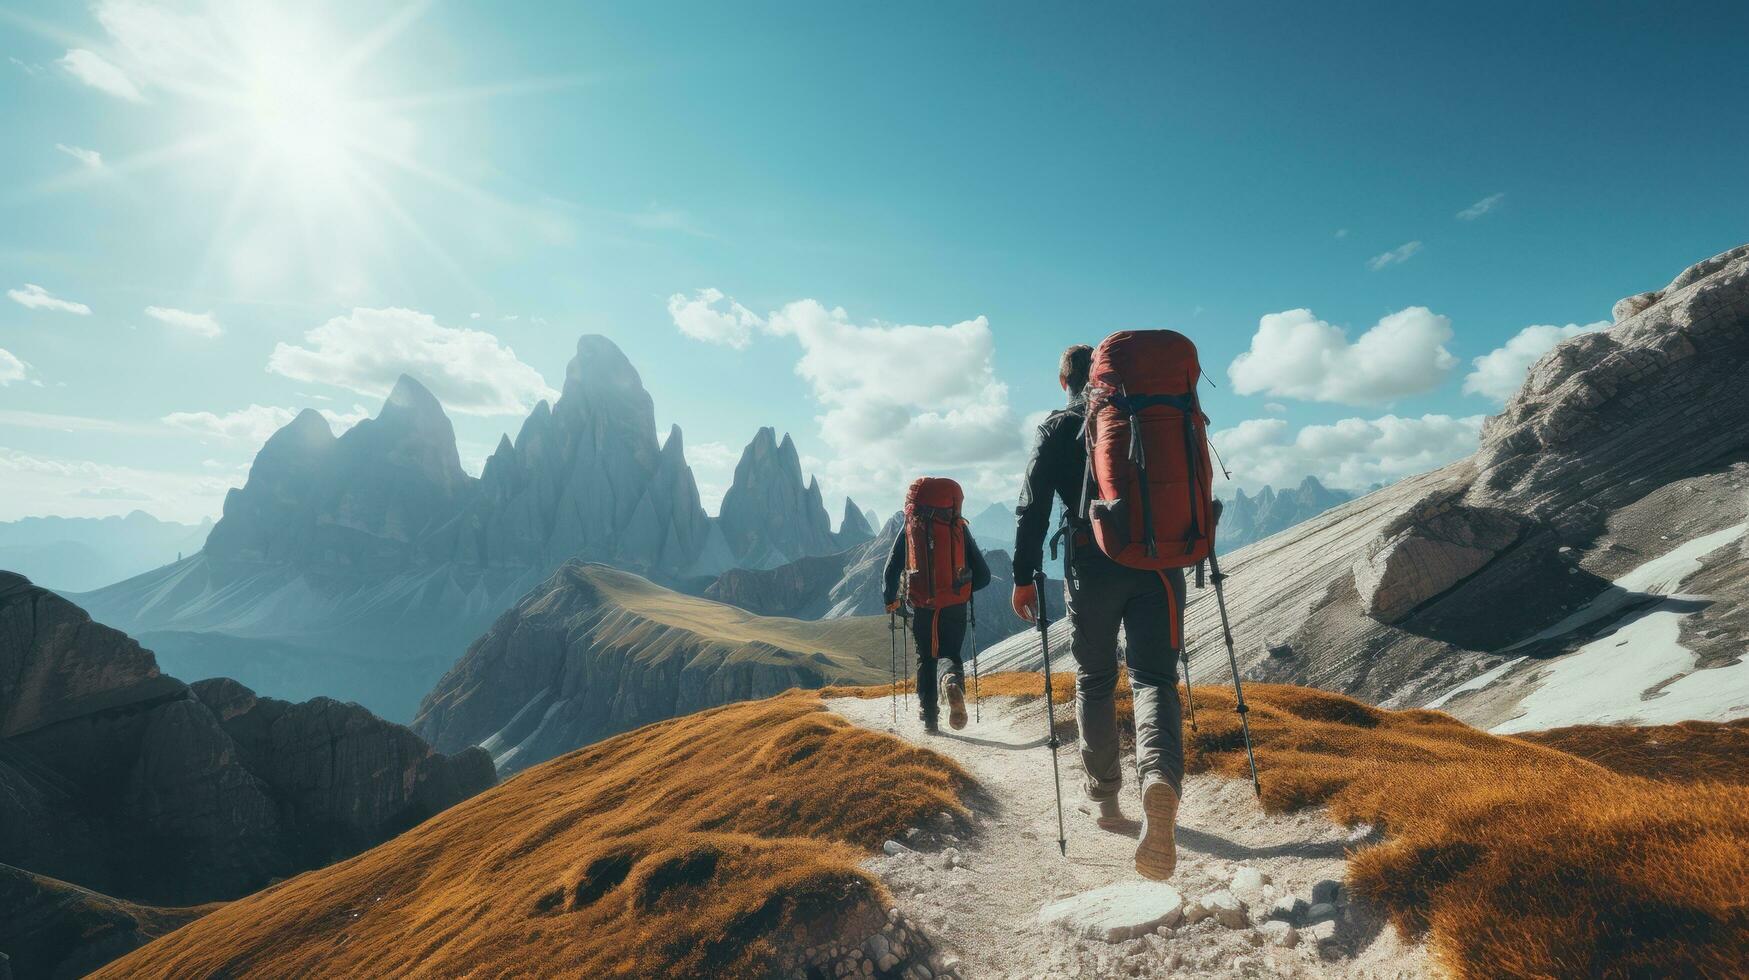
[
  {"x": 894, "y": 848},
  {"x": 1320, "y": 932},
  {"x": 877, "y": 946},
  {"x": 1288, "y": 908},
  {"x": 1226, "y": 908},
  {"x": 1254, "y": 937},
  {"x": 1249, "y": 880},
  {"x": 1321, "y": 911},
  {"x": 1116, "y": 912},
  {"x": 1195, "y": 913},
  {"x": 1280, "y": 934},
  {"x": 1326, "y": 891},
  {"x": 885, "y": 963}
]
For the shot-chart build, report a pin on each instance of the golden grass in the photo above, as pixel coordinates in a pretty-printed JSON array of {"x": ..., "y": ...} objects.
[
  {"x": 858, "y": 644},
  {"x": 1594, "y": 851},
  {"x": 692, "y": 847}
]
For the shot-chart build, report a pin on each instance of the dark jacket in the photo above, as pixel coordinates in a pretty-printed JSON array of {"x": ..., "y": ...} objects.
[
  {"x": 896, "y": 565},
  {"x": 1057, "y": 469}
]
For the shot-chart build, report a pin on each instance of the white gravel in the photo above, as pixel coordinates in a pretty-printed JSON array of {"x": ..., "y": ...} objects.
[{"x": 983, "y": 904}]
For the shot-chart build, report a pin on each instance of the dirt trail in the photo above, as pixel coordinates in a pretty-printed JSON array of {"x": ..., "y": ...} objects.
[{"x": 986, "y": 909}]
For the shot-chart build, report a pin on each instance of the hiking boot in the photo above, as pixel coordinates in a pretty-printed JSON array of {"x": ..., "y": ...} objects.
[
  {"x": 1106, "y": 811},
  {"x": 930, "y": 727},
  {"x": 956, "y": 703},
  {"x": 1157, "y": 852}
]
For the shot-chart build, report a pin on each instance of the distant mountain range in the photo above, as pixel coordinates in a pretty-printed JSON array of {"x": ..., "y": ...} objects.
[
  {"x": 1246, "y": 519},
  {"x": 373, "y": 560},
  {"x": 75, "y": 554}
]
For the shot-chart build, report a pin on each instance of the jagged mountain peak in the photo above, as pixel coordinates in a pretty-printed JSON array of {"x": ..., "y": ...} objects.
[
  {"x": 854, "y": 522},
  {"x": 674, "y": 446},
  {"x": 408, "y": 396},
  {"x": 600, "y": 366}
]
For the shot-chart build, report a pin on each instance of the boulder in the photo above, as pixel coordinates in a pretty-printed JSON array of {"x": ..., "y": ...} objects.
[
  {"x": 1226, "y": 908},
  {"x": 1116, "y": 912},
  {"x": 1438, "y": 544}
]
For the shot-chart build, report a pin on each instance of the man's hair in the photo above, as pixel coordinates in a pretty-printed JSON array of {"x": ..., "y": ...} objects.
[{"x": 1073, "y": 368}]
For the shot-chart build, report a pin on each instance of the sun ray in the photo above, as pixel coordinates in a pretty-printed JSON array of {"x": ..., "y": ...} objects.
[
  {"x": 389, "y": 204},
  {"x": 234, "y": 207},
  {"x": 138, "y": 163},
  {"x": 481, "y": 93},
  {"x": 380, "y": 37}
]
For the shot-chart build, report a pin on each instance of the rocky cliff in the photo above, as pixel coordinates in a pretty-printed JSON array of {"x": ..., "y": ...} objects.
[
  {"x": 1613, "y": 484},
  {"x": 853, "y": 527},
  {"x": 124, "y": 780},
  {"x": 595, "y": 651}
]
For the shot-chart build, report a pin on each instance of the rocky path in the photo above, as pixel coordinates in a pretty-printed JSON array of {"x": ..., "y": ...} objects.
[{"x": 1255, "y": 895}]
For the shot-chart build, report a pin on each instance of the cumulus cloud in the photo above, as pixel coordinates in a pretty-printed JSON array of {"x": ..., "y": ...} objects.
[
  {"x": 949, "y": 415},
  {"x": 94, "y": 70},
  {"x": 1350, "y": 454},
  {"x": 1499, "y": 373},
  {"x": 11, "y": 368},
  {"x": 90, "y": 158},
  {"x": 34, "y": 297},
  {"x": 1481, "y": 207},
  {"x": 712, "y": 317},
  {"x": 1396, "y": 256},
  {"x": 200, "y": 324},
  {"x": 469, "y": 371},
  {"x": 1296, "y": 355},
  {"x": 254, "y": 424}
]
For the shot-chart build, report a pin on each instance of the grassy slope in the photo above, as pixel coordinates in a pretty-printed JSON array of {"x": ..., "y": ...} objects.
[
  {"x": 680, "y": 849},
  {"x": 1587, "y": 851},
  {"x": 857, "y": 646}
]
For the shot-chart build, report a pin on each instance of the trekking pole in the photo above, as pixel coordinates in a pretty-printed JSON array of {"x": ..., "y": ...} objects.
[
  {"x": 1189, "y": 702},
  {"x": 893, "y": 651},
  {"x": 1217, "y": 578},
  {"x": 977, "y": 700},
  {"x": 1044, "y": 636},
  {"x": 905, "y": 652}
]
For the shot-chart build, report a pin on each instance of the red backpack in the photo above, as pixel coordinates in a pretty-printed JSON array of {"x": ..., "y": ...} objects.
[
  {"x": 937, "y": 572},
  {"x": 1149, "y": 489}
]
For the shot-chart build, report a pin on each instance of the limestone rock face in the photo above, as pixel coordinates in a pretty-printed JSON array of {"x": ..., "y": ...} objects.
[
  {"x": 120, "y": 779},
  {"x": 595, "y": 651},
  {"x": 769, "y": 516},
  {"x": 1430, "y": 549},
  {"x": 801, "y": 589},
  {"x": 853, "y": 527}
]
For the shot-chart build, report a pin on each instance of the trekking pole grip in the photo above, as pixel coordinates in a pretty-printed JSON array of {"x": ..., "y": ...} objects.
[{"x": 1038, "y": 591}]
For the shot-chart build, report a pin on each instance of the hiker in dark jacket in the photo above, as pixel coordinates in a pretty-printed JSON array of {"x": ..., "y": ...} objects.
[
  {"x": 1101, "y": 595},
  {"x": 938, "y": 635}
]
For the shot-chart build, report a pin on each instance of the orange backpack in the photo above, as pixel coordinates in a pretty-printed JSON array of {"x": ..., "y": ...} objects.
[
  {"x": 937, "y": 572},
  {"x": 1149, "y": 488}
]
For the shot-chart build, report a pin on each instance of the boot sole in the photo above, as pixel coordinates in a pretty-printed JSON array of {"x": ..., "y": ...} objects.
[
  {"x": 956, "y": 706},
  {"x": 1157, "y": 853}
]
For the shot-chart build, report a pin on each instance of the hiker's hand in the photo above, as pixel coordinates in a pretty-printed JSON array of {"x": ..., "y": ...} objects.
[
  {"x": 1026, "y": 602},
  {"x": 893, "y": 607}
]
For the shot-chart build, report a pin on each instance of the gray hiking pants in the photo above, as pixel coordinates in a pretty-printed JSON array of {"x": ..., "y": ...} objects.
[{"x": 1150, "y": 606}]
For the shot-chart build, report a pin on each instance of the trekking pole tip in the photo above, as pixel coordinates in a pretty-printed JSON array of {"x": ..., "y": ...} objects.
[{"x": 1062, "y": 847}]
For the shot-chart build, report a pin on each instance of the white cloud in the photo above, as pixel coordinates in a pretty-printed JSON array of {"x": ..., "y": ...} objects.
[
  {"x": 92, "y": 69},
  {"x": 949, "y": 415},
  {"x": 367, "y": 350},
  {"x": 1296, "y": 355},
  {"x": 1351, "y": 454},
  {"x": 11, "y": 368},
  {"x": 1499, "y": 373},
  {"x": 34, "y": 297},
  {"x": 1396, "y": 256},
  {"x": 1481, "y": 207},
  {"x": 38, "y": 484},
  {"x": 90, "y": 158},
  {"x": 201, "y": 324},
  {"x": 700, "y": 319},
  {"x": 252, "y": 425}
]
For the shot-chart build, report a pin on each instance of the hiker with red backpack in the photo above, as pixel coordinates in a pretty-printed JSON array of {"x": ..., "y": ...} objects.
[
  {"x": 939, "y": 566},
  {"x": 1128, "y": 458}
]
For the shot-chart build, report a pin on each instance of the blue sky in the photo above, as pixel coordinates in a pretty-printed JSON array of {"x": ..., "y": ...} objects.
[{"x": 264, "y": 207}]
